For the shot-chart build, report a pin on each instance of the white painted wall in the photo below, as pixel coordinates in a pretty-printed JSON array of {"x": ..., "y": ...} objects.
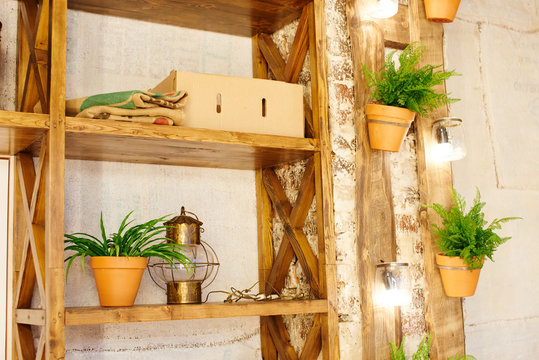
[{"x": 494, "y": 45}]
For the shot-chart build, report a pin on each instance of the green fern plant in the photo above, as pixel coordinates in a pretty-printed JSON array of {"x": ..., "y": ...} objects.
[
  {"x": 465, "y": 234},
  {"x": 422, "y": 352},
  {"x": 141, "y": 240},
  {"x": 408, "y": 87}
]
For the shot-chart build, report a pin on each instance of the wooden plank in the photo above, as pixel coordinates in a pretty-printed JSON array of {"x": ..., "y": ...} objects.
[
  {"x": 299, "y": 48},
  {"x": 264, "y": 221},
  {"x": 443, "y": 314},
  {"x": 25, "y": 342},
  {"x": 30, "y": 316},
  {"x": 239, "y": 17},
  {"x": 54, "y": 252},
  {"x": 143, "y": 313},
  {"x": 323, "y": 179},
  {"x": 272, "y": 56},
  {"x": 20, "y": 130},
  {"x": 313, "y": 343},
  {"x": 296, "y": 237},
  {"x": 308, "y": 113},
  {"x": 298, "y": 214},
  {"x": 281, "y": 338},
  {"x": 396, "y": 29},
  {"x": 26, "y": 276},
  {"x": 174, "y": 145},
  {"x": 376, "y": 224}
]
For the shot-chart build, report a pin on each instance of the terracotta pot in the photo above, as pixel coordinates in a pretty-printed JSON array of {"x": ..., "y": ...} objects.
[
  {"x": 441, "y": 11},
  {"x": 388, "y": 126},
  {"x": 457, "y": 280},
  {"x": 117, "y": 278}
]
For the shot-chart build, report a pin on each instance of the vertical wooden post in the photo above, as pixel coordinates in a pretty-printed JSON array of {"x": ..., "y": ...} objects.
[
  {"x": 376, "y": 224},
  {"x": 54, "y": 253},
  {"x": 323, "y": 180},
  {"x": 265, "y": 226},
  {"x": 443, "y": 314}
]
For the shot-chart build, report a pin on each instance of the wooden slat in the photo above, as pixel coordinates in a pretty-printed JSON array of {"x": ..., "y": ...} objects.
[
  {"x": 443, "y": 314},
  {"x": 313, "y": 343},
  {"x": 323, "y": 180},
  {"x": 20, "y": 130},
  {"x": 54, "y": 253},
  {"x": 376, "y": 225},
  {"x": 238, "y": 17},
  {"x": 308, "y": 113},
  {"x": 396, "y": 29},
  {"x": 174, "y": 145},
  {"x": 143, "y": 313},
  {"x": 281, "y": 338},
  {"x": 272, "y": 55},
  {"x": 296, "y": 237},
  {"x": 299, "y": 48},
  {"x": 30, "y": 316},
  {"x": 25, "y": 342},
  {"x": 276, "y": 278},
  {"x": 264, "y": 221}
]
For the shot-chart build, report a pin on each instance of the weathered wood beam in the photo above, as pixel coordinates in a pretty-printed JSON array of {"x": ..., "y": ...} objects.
[
  {"x": 281, "y": 338},
  {"x": 30, "y": 316},
  {"x": 376, "y": 224},
  {"x": 313, "y": 343},
  {"x": 264, "y": 221},
  {"x": 443, "y": 314},
  {"x": 299, "y": 48},
  {"x": 323, "y": 179},
  {"x": 54, "y": 227}
]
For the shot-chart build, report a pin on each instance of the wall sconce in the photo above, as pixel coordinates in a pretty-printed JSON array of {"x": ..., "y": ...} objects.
[
  {"x": 382, "y": 9},
  {"x": 392, "y": 285},
  {"x": 448, "y": 134}
]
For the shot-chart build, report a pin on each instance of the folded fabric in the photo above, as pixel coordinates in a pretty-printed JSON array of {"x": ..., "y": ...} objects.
[{"x": 128, "y": 105}]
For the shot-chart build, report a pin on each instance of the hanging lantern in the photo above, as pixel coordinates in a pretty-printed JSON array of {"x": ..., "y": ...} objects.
[
  {"x": 183, "y": 284},
  {"x": 392, "y": 285},
  {"x": 448, "y": 133}
]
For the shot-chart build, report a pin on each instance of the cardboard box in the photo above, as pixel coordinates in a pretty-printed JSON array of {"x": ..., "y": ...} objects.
[{"x": 238, "y": 104}]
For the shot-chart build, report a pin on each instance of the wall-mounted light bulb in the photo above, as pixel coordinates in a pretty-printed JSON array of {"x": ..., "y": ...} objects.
[
  {"x": 449, "y": 144},
  {"x": 392, "y": 285},
  {"x": 382, "y": 9}
]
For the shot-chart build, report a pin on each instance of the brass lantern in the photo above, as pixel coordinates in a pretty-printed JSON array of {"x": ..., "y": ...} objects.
[{"x": 184, "y": 284}]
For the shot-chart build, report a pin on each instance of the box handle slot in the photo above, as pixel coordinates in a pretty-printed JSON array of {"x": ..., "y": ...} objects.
[
  {"x": 263, "y": 107},
  {"x": 218, "y": 103}
]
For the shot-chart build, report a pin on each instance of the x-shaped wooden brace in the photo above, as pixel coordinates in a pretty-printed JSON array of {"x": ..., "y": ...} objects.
[
  {"x": 289, "y": 71},
  {"x": 35, "y": 22},
  {"x": 294, "y": 242},
  {"x": 31, "y": 200}
]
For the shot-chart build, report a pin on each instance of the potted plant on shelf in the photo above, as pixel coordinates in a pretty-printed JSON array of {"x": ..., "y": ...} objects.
[
  {"x": 422, "y": 352},
  {"x": 118, "y": 260},
  {"x": 464, "y": 240},
  {"x": 441, "y": 11},
  {"x": 401, "y": 93}
]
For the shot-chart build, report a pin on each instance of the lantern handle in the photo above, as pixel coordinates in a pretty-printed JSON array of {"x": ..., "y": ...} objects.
[
  {"x": 183, "y": 212},
  {"x": 216, "y": 264},
  {"x": 151, "y": 276}
]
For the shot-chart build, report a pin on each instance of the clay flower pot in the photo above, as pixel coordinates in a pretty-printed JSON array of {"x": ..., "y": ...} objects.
[
  {"x": 117, "y": 278},
  {"x": 441, "y": 11},
  {"x": 457, "y": 280},
  {"x": 388, "y": 126}
]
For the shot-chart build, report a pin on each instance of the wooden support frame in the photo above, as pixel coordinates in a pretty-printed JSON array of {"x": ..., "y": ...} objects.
[{"x": 316, "y": 181}]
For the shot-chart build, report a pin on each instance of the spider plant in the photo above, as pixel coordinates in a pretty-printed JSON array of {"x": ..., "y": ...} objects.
[{"x": 141, "y": 240}]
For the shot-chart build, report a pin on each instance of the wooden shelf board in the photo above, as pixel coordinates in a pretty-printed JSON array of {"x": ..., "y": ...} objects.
[
  {"x": 144, "y": 313},
  {"x": 109, "y": 140},
  {"x": 19, "y": 130},
  {"x": 238, "y": 17}
]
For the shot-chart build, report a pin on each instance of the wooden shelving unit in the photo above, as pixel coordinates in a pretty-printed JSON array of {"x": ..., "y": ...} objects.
[{"x": 53, "y": 137}]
